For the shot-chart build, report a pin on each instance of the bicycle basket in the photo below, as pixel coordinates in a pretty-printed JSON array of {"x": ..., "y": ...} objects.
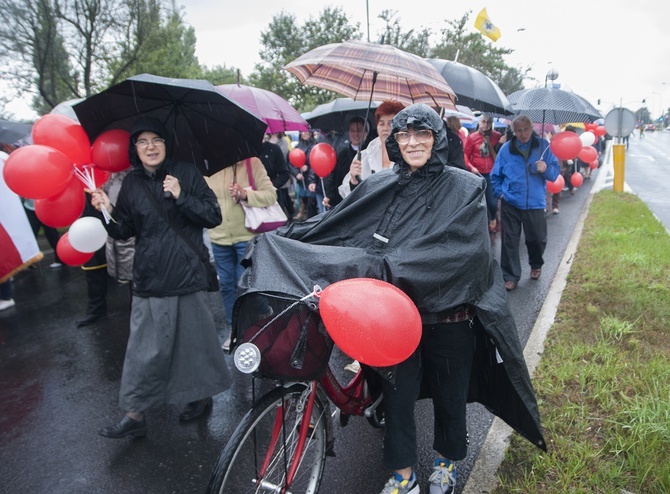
[{"x": 288, "y": 332}]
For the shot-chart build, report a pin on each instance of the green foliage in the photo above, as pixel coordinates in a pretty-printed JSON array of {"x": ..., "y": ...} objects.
[
  {"x": 60, "y": 50},
  {"x": 603, "y": 384},
  {"x": 476, "y": 51},
  {"x": 411, "y": 41},
  {"x": 285, "y": 40}
]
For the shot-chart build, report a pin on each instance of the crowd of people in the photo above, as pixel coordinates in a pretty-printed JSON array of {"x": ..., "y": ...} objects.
[{"x": 415, "y": 194}]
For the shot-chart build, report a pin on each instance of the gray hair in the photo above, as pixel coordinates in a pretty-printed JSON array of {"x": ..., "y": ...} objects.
[{"x": 521, "y": 119}]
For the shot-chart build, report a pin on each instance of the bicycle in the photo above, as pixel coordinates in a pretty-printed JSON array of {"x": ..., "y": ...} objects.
[{"x": 281, "y": 444}]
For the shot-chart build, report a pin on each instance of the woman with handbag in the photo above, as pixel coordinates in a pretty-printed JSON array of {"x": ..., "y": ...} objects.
[
  {"x": 232, "y": 187},
  {"x": 173, "y": 353}
]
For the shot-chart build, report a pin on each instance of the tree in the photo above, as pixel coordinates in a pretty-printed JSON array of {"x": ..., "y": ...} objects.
[
  {"x": 411, "y": 41},
  {"x": 473, "y": 50},
  {"x": 285, "y": 41},
  {"x": 64, "y": 49}
]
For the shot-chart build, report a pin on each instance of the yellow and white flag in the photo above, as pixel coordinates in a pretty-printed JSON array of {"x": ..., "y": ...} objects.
[{"x": 484, "y": 24}]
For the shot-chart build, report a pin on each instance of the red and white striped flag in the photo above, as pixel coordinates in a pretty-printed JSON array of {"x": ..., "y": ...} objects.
[{"x": 18, "y": 247}]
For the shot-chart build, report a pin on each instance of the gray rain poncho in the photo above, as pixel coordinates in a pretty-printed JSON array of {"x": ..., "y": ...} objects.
[{"x": 426, "y": 233}]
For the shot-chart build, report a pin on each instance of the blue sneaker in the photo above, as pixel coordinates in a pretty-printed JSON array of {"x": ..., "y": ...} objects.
[
  {"x": 443, "y": 478},
  {"x": 398, "y": 485}
]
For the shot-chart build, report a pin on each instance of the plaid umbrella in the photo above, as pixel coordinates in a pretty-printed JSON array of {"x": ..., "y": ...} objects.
[
  {"x": 551, "y": 105},
  {"x": 367, "y": 71},
  {"x": 473, "y": 88}
]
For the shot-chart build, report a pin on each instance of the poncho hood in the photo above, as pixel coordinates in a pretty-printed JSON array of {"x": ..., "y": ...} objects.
[{"x": 420, "y": 117}]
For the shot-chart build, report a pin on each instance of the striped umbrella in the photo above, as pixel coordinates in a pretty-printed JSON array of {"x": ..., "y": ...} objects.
[
  {"x": 552, "y": 105},
  {"x": 370, "y": 71}
]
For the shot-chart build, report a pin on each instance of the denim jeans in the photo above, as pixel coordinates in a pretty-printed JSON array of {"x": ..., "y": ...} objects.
[{"x": 229, "y": 269}]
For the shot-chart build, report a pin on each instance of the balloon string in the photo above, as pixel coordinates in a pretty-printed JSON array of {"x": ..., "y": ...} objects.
[
  {"x": 323, "y": 188},
  {"x": 88, "y": 179}
]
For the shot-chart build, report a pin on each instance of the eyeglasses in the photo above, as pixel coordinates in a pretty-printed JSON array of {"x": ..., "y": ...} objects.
[
  {"x": 420, "y": 136},
  {"x": 156, "y": 141}
]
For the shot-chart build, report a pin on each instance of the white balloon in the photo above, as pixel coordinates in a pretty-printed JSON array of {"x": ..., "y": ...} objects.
[
  {"x": 87, "y": 234},
  {"x": 587, "y": 138}
]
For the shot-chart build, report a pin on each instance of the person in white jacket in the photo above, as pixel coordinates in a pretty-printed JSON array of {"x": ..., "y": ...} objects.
[{"x": 374, "y": 158}]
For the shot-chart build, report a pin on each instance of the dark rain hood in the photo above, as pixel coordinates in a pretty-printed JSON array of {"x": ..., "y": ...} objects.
[
  {"x": 404, "y": 229},
  {"x": 148, "y": 124}
]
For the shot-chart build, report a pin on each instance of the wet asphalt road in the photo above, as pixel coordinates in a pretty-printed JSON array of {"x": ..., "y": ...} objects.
[{"x": 60, "y": 383}]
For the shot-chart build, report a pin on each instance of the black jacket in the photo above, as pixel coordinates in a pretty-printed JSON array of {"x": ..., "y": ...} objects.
[
  {"x": 165, "y": 265},
  {"x": 275, "y": 164}
]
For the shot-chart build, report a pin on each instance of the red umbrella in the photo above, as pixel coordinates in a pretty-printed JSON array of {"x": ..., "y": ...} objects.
[
  {"x": 367, "y": 71},
  {"x": 266, "y": 105}
]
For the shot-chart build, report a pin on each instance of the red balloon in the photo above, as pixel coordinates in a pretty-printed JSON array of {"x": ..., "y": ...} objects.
[
  {"x": 371, "y": 321},
  {"x": 600, "y": 131},
  {"x": 297, "y": 157},
  {"x": 588, "y": 154},
  {"x": 557, "y": 185},
  {"x": 566, "y": 145},
  {"x": 110, "y": 150},
  {"x": 594, "y": 164},
  {"x": 64, "y": 134},
  {"x": 322, "y": 159},
  {"x": 576, "y": 179},
  {"x": 61, "y": 210},
  {"x": 68, "y": 254},
  {"x": 37, "y": 172},
  {"x": 590, "y": 126}
]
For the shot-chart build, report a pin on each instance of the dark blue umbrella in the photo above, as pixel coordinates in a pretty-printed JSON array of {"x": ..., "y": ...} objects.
[
  {"x": 207, "y": 128},
  {"x": 473, "y": 88},
  {"x": 335, "y": 115}
]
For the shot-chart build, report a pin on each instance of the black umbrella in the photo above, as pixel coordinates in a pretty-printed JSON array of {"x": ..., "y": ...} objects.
[
  {"x": 473, "y": 88},
  {"x": 336, "y": 114},
  {"x": 11, "y": 132},
  {"x": 207, "y": 128},
  {"x": 552, "y": 105}
]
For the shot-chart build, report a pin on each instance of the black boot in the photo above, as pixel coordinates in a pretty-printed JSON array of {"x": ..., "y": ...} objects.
[
  {"x": 194, "y": 409},
  {"x": 125, "y": 427}
]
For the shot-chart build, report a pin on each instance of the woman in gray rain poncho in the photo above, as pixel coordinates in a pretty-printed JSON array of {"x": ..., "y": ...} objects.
[{"x": 421, "y": 226}]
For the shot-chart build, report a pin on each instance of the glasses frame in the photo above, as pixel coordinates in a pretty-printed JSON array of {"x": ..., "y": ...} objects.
[
  {"x": 144, "y": 143},
  {"x": 415, "y": 134}
]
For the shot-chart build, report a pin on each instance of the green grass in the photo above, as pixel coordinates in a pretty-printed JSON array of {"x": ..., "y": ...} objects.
[{"x": 603, "y": 383}]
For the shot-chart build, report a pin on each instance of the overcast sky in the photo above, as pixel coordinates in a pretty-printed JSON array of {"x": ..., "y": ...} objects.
[{"x": 612, "y": 50}]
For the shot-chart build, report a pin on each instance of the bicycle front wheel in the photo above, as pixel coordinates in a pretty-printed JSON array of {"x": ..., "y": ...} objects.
[{"x": 258, "y": 455}]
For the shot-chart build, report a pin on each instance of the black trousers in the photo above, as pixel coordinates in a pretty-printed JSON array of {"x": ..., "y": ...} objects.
[
  {"x": 442, "y": 364},
  {"x": 50, "y": 232},
  {"x": 534, "y": 225}
]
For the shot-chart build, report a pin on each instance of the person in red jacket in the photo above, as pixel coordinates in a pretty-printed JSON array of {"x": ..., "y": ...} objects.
[{"x": 480, "y": 153}]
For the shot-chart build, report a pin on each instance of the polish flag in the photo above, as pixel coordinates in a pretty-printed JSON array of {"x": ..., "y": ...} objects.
[{"x": 18, "y": 247}]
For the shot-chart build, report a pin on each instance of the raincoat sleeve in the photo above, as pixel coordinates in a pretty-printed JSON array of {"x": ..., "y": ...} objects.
[{"x": 197, "y": 201}]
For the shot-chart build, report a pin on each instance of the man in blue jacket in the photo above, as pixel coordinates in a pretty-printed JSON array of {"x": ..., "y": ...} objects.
[{"x": 519, "y": 176}]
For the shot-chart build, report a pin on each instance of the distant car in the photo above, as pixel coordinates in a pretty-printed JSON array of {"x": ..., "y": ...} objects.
[{"x": 650, "y": 128}]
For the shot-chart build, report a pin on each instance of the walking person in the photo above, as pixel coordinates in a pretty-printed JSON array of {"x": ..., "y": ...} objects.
[
  {"x": 421, "y": 227},
  {"x": 480, "y": 153},
  {"x": 522, "y": 168},
  {"x": 173, "y": 354},
  {"x": 229, "y": 238}
]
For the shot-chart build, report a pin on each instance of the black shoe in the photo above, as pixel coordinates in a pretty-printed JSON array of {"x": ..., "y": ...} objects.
[
  {"x": 126, "y": 427},
  {"x": 89, "y": 319},
  {"x": 194, "y": 409}
]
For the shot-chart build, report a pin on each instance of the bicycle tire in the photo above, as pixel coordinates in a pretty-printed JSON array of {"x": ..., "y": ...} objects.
[{"x": 237, "y": 468}]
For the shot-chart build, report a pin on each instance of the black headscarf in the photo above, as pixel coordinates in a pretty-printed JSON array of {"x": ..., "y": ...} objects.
[{"x": 147, "y": 124}]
